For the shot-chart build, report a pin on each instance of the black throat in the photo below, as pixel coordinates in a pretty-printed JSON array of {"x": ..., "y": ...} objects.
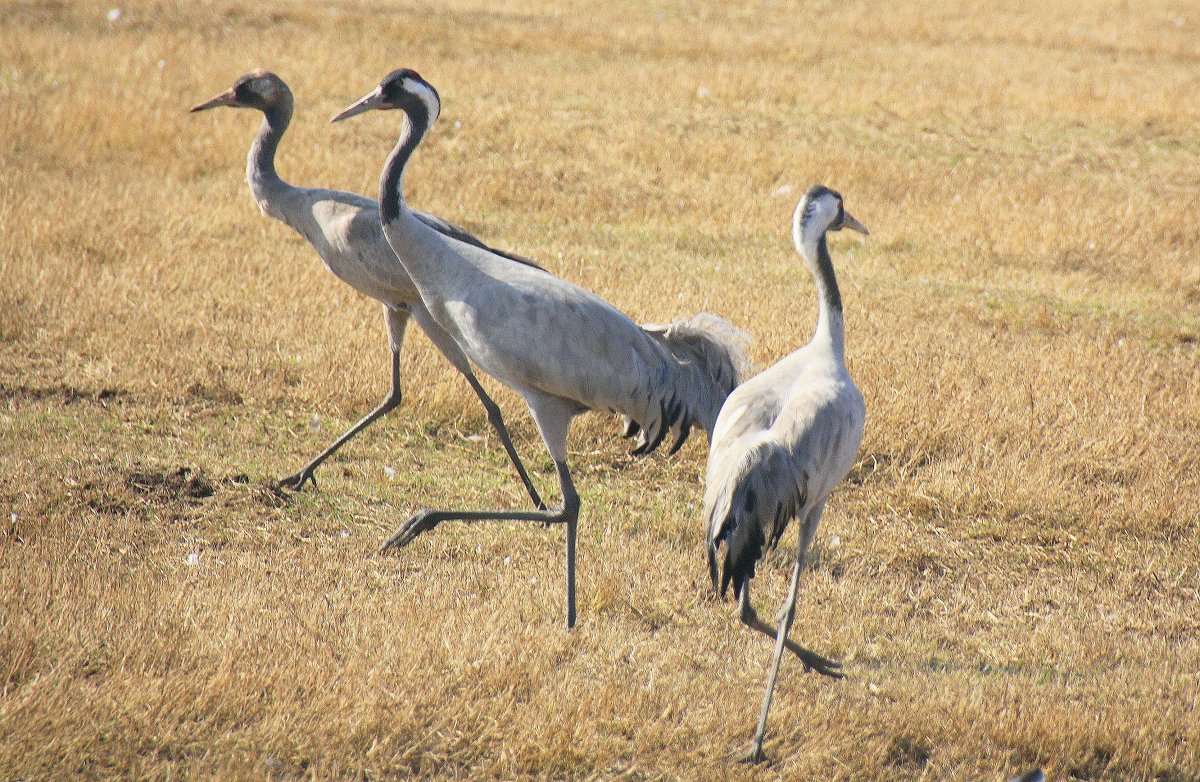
[
  {"x": 392, "y": 181},
  {"x": 276, "y": 118},
  {"x": 828, "y": 280}
]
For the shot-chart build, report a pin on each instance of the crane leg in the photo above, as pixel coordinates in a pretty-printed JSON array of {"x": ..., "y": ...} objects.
[
  {"x": 755, "y": 754},
  {"x": 572, "y": 526},
  {"x": 496, "y": 419},
  {"x": 296, "y": 481},
  {"x": 810, "y": 659},
  {"x": 453, "y": 353},
  {"x": 567, "y": 513}
]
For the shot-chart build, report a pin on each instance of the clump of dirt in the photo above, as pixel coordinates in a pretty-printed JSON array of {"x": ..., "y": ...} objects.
[
  {"x": 102, "y": 502},
  {"x": 172, "y": 486},
  {"x": 268, "y": 494},
  {"x": 908, "y": 752}
]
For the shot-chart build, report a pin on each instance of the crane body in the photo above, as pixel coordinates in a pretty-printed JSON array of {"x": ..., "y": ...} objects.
[
  {"x": 783, "y": 441},
  {"x": 563, "y": 349},
  {"x": 345, "y": 230}
]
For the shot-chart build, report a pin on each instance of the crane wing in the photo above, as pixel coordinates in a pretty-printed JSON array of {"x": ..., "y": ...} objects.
[
  {"x": 752, "y": 493},
  {"x": 447, "y": 228},
  {"x": 783, "y": 440}
]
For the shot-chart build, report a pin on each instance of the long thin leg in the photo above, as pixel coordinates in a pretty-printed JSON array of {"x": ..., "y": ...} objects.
[
  {"x": 755, "y": 754},
  {"x": 297, "y": 480},
  {"x": 397, "y": 324},
  {"x": 496, "y": 419},
  {"x": 810, "y": 659},
  {"x": 572, "y": 526},
  {"x": 453, "y": 353},
  {"x": 553, "y": 417}
]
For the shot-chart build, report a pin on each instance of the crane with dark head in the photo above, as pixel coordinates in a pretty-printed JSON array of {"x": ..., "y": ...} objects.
[
  {"x": 563, "y": 349},
  {"x": 783, "y": 441},
  {"x": 345, "y": 231}
]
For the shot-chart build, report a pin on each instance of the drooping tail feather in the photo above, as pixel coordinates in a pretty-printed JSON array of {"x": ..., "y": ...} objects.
[
  {"x": 711, "y": 356},
  {"x": 749, "y": 500}
]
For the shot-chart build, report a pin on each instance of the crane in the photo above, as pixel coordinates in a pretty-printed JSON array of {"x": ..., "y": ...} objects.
[
  {"x": 563, "y": 349},
  {"x": 345, "y": 231},
  {"x": 783, "y": 441}
]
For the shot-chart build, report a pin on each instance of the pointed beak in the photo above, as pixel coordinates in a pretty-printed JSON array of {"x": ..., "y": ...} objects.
[
  {"x": 224, "y": 99},
  {"x": 372, "y": 100},
  {"x": 848, "y": 221}
]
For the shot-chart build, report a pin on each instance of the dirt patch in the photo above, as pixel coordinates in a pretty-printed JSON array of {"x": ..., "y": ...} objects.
[
  {"x": 63, "y": 393},
  {"x": 1099, "y": 764},
  {"x": 271, "y": 496},
  {"x": 266, "y": 493},
  {"x": 103, "y": 502},
  {"x": 908, "y": 752}
]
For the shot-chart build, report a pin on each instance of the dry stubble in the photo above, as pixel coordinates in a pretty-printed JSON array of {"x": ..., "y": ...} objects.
[{"x": 1015, "y": 581}]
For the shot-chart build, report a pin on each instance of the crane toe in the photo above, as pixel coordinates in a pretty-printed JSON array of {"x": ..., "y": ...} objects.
[
  {"x": 753, "y": 756},
  {"x": 296, "y": 482},
  {"x": 422, "y": 521},
  {"x": 815, "y": 662},
  {"x": 822, "y": 665}
]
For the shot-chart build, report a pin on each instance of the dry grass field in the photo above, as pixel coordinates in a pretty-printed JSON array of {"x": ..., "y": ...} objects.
[{"x": 1010, "y": 574}]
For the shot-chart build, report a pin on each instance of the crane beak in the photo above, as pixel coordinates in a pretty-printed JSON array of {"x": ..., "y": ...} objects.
[
  {"x": 226, "y": 98},
  {"x": 848, "y": 221},
  {"x": 372, "y": 100}
]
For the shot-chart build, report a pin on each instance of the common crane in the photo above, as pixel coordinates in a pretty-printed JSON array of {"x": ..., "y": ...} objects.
[
  {"x": 783, "y": 441},
  {"x": 563, "y": 349},
  {"x": 345, "y": 231}
]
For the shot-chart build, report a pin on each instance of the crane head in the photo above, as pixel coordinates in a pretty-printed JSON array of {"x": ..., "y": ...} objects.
[
  {"x": 257, "y": 89},
  {"x": 403, "y": 89},
  {"x": 822, "y": 210}
]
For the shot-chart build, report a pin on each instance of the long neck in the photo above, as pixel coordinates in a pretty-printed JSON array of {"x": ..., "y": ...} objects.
[
  {"x": 260, "y": 163},
  {"x": 831, "y": 328},
  {"x": 391, "y": 183}
]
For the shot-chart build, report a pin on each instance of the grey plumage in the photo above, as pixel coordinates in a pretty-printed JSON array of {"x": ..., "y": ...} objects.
[
  {"x": 345, "y": 230},
  {"x": 564, "y": 350},
  {"x": 710, "y": 350},
  {"x": 782, "y": 442},
  {"x": 766, "y": 488}
]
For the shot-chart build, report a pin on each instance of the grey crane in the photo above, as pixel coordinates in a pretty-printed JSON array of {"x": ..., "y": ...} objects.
[
  {"x": 563, "y": 349},
  {"x": 783, "y": 441},
  {"x": 345, "y": 231}
]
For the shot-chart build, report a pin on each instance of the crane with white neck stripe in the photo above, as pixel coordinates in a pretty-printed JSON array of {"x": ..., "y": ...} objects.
[
  {"x": 345, "y": 231},
  {"x": 563, "y": 349},
  {"x": 783, "y": 441}
]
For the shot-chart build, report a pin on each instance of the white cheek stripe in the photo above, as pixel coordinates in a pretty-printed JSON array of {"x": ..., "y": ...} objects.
[
  {"x": 824, "y": 212},
  {"x": 426, "y": 96}
]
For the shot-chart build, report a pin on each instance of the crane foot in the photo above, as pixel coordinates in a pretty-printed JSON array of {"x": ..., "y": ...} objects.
[
  {"x": 296, "y": 482},
  {"x": 822, "y": 665},
  {"x": 754, "y": 755},
  {"x": 422, "y": 521}
]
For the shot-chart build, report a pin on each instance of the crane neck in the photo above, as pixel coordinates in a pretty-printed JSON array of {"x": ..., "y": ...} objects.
[
  {"x": 831, "y": 326},
  {"x": 391, "y": 182},
  {"x": 260, "y": 163}
]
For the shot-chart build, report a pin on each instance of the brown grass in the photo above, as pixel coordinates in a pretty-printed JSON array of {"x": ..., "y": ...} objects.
[{"x": 1015, "y": 581}]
